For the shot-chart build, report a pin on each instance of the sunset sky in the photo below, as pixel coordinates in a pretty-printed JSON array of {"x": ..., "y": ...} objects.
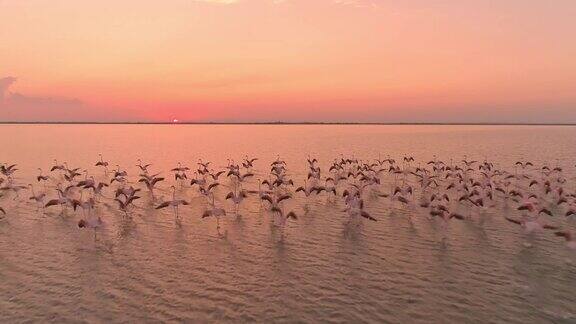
[{"x": 288, "y": 60}]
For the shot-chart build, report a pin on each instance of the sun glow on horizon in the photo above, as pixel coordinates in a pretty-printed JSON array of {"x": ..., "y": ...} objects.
[{"x": 291, "y": 60}]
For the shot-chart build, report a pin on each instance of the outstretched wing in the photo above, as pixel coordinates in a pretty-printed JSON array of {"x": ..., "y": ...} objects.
[
  {"x": 368, "y": 216},
  {"x": 163, "y": 205},
  {"x": 291, "y": 215},
  {"x": 268, "y": 199},
  {"x": 512, "y": 220},
  {"x": 52, "y": 202},
  {"x": 282, "y": 198}
]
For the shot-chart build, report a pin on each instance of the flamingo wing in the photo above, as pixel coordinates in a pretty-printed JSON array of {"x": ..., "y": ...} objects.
[
  {"x": 163, "y": 205},
  {"x": 368, "y": 216}
]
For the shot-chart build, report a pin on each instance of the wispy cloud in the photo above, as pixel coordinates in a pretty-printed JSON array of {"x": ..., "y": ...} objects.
[
  {"x": 230, "y": 82},
  {"x": 5, "y": 84},
  {"x": 8, "y": 98},
  {"x": 21, "y": 99},
  {"x": 15, "y": 106}
]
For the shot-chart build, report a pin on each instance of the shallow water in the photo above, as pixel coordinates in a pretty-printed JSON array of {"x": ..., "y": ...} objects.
[{"x": 149, "y": 269}]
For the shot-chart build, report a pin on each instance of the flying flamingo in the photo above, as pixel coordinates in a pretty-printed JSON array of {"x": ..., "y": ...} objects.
[
  {"x": 309, "y": 190},
  {"x": 237, "y": 197},
  {"x": 143, "y": 168},
  {"x": 283, "y": 218},
  {"x": 569, "y": 237},
  {"x": 150, "y": 182},
  {"x": 42, "y": 178},
  {"x": 124, "y": 204},
  {"x": 39, "y": 198},
  {"x": 103, "y": 164},
  {"x": 57, "y": 166},
  {"x": 531, "y": 225},
  {"x": 87, "y": 205},
  {"x": 12, "y": 187},
  {"x": 175, "y": 203},
  {"x": 208, "y": 190},
  {"x": 8, "y": 171},
  {"x": 275, "y": 202},
  {"x": 93, "y": 222},
  {"x": 215, "y": 212},
  {"x": 62, "y": 201}
]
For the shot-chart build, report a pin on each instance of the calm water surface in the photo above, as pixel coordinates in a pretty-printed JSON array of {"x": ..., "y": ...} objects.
[{"x": 148, "y": 269}]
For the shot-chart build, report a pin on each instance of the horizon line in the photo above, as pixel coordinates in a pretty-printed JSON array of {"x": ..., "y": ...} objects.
[{"x": 283, "y": 123}]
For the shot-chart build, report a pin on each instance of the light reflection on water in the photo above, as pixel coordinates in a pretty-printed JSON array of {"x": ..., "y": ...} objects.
[{"x": 149, "y": 269}]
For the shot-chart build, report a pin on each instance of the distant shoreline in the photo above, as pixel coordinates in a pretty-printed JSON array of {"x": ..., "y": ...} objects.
[{"x": 285, "y": 123}]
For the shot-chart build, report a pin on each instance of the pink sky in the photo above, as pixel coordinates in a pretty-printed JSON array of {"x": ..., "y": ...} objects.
[{"x": 290, "y": 60}]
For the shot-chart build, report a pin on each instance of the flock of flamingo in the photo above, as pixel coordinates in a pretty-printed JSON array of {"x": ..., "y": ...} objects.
[{"x": 534, "y": 198}]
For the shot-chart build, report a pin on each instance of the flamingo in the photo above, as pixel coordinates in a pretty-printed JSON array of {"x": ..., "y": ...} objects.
[
  {"x": 531, "y": 225},
  {"x": 445, "y": 215},
  {"x": 355, "y": 207},
  {"x": 118, "y": 179},
  {"x": 8, "y": 171},
  {"x": 249, "y": 163},
  {"x": 569, "y": 237},
  {"x": 126, "y": 192},
  {"x": 118, "y": 173},
  {"x": 87, "y": 182},
  {"x": 308, "y": 190},
  {"x": 275, "y": 202},
  {"x": 237, "y": 198},
  {"x": 240, "y": 177},
  {"x": 283, "y": 218},
  {"x": 198, "y": 181},
  {"x": 261, "y": 192},
  {"x": 39, "y": 198},
  {"x": 93, "y": 222},
  {"x": 175, "y": 203},
  {"x": 214, "y": 212},
  {"x": 180, "y": 168},
  {"x": 203, "y": 164},
  {"x": 208, "y": 191},
  {"x": 87, "y": 205},
  {"x": 57, "y": 166},
  {"x": 216, "y": 175},
  {"x": 13, "y": 187},
  {"x": 103, "y": 164},
  {"x": 143, "y": 168},
  {"x": 42, "y": 177},
  {"x": 61, "y": 201},
  {"x": 150, "y": 182},
  {"x": 124, "y": 204}
]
